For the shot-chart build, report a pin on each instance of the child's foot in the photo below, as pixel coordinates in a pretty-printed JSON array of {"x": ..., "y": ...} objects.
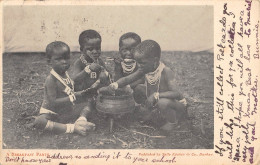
[
  {"x": 176, "y": 127},
  {"x": 146, "y": 117},
  {"x": 90, "y": 126},
  {"x": 82, "y": 126}
]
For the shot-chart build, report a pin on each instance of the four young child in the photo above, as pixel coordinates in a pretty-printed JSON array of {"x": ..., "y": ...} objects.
[{"x": 139, "y": 66}]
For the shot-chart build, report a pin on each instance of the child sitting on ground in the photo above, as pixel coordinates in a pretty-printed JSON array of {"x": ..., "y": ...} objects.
[
  {"x": 59, "y": 96},
  {"x": 159, "y": 90},
  {"x": 89, "y": 70},
  {"x": 126, "y": 64}
]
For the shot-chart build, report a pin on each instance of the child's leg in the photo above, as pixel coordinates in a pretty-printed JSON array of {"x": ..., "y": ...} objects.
[
  {"x": 140, "y": 98},
  {"x": 140, "y": 94},
  {"x": 172, "y": 110},
  {"x": 90, "y": 107},
  {"x": 45, "y": 122},
  {"x": 84, "y": 114}
]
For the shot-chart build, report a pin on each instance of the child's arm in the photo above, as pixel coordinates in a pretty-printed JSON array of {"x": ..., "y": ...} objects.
[
  {"x": 171, "y": 94},
  {"x": 119, "y": 73},
  {"x": 51, "y": 92},
  {"x": 102, "y": 64},
  {"x": 80, "y": 74},
  {"x": 122, "y": 82},
  {"x": 105, "y": 75},
  {"x": 130, "y": 78},
  {"x": 118, "y": 69},
  {"x": 134, "y": 84},
  {"x": 77, "y": 69}
]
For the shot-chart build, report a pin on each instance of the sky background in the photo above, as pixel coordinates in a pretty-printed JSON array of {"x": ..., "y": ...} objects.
[{"x": 175, "y": 28}]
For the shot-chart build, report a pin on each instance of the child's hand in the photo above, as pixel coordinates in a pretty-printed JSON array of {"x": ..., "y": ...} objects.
[
  {"x": 79, "y": 93},
  {"x": 128, "y": 89},
  {"x": 150, "y": 102},
  {"x": 104, "y": 77},
  {"x": 118, "y": 60},
  {"x": 89, "y": 92},
  {"x": 106, "y": 90},
  {"x": 94, "y": 67},
  {"x": 183, "y": 101}
]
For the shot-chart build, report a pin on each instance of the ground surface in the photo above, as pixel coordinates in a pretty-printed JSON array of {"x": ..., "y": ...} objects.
[{"x": 23, "y": 78}]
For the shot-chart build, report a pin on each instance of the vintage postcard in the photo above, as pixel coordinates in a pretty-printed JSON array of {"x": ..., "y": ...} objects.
[{"x": 130, "y": 82}]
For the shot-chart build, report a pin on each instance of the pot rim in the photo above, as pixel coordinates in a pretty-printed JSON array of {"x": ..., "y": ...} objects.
[{"x": 115, "y": 97}]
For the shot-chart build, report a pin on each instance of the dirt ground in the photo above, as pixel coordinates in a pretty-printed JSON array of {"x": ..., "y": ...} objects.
[{"x": 25, "y": 73}]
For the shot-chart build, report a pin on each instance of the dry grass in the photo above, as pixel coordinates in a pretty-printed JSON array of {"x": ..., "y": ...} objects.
[{"x": 25, "y": 73}]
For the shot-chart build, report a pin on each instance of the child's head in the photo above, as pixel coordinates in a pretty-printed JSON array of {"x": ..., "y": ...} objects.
[
  {"x": 127, "y": 43},
  {"x": 58, "y": 53},
  {"x": 147, "y": 54},
  {"x": 90, "y": 43}
]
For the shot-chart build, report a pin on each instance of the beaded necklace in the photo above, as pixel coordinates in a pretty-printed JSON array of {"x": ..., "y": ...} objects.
[
  {"x": 154, "y": 77},
  {"x": 93, "y": 75},
  {"x": 83, "y": 60},
  {"x": 128, "y": 68},
  {"x": 65, "y": 82}
]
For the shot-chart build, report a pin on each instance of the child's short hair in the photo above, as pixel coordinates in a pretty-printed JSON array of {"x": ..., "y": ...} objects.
[
  {"x": 149, "y": 48},
  {"x": 55, "y": 45},
  {"x": 132, "y": 35},
  {"x": 86, "y": 35}
]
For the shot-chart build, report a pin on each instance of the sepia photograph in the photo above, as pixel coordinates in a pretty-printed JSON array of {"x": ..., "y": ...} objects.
[{"x": 108, "y": 77}]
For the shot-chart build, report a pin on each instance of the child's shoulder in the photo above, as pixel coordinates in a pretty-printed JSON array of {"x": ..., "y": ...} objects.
[
  {"x": 166, "y": 68},
  {"x": 50, "y": 79},
  {"x": 168, "y": 71},
  {"x": 100, "y": 59},
  {"x": 101, "y": 62},
  {"x": 77, "y": 62}
]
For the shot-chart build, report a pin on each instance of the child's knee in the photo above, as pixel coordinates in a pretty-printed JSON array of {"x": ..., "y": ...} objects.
[
  {"x": 87, "y": 109},
  {"x": 40, "y": 122},
  {"x": 171, "y": 108},
  {"x": 164, "y": 104},
  {"x": 139, "y": 88}
]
